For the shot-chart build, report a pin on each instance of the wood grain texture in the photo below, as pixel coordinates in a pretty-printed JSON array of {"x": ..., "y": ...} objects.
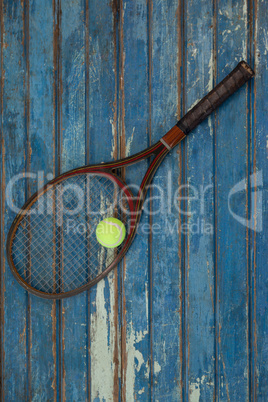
[
  {"x": 103, "y": 105},
  {"x": 14, "y": 320},
  {"x": 199, "y": 271},
  {"x": 231, "y": 248},
  {"x": 258, "y": 240},
  {"x": 184, "y": 316},
  {"x": 73, "y": 154},
  {"x": 42, "y": 368},
  {"x": 134, "y": 136},
  {"x": 165, "y": 270}
]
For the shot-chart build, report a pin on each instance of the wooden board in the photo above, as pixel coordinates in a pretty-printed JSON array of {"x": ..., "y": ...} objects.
[{"x": 184, "y": 315}]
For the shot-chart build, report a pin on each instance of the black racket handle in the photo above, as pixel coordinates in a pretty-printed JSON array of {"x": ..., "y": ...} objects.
[{"x": 233, "y": 81}]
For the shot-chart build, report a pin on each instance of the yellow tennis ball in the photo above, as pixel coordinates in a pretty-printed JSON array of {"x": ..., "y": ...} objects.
[{"x": 111, "y": 232}]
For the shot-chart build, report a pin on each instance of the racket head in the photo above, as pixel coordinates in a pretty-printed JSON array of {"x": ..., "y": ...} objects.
[{"x": 52, "y": 247}]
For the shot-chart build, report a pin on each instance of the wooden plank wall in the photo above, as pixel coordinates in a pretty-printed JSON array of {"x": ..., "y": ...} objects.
[{"x": 184, "y": 316}]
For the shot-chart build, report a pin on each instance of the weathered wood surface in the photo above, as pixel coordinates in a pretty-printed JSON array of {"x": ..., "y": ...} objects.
[{"x": 184, "y": 316}]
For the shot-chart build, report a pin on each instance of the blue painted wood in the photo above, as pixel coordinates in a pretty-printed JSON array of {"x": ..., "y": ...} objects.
[
  {"x": 258, "y": 202},
  {"x": 134, "y": 137},
  {"x": 73, "y": 154},
  {"x": 14, "y": 358},
  {"x": 231, "y": 164},
  {"x": 40, "y": 350},
  {"x": 102, "y": 115},
  {"x": 183, "y": 317},
  {"x": 166, "y": 284},
  {"x": 199, "y": 347}
]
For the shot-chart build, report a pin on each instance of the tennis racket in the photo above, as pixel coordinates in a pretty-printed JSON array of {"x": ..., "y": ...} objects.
[{"x": 52, "y": 247}]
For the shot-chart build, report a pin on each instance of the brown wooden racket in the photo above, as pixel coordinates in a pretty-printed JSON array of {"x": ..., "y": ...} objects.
[{"x": 52, "y": 247}]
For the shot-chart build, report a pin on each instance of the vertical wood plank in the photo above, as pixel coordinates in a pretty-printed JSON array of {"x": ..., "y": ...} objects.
[
  {"x": 2, "y": 203},
  {"x": 134, "y": 137},
  {"x": 258, "y": 196},
  {"x": 231, "y": 166},
  {"x": 73, "y": 154},
  {"x": 41, "y": 144},
  {"x": 104, "y": 336},
  {"x": 198, "y": 212},
  {"x": 57, "y": 316},
  {"x": 165, "y": 261},
  {"x": 14, "y": 325}
]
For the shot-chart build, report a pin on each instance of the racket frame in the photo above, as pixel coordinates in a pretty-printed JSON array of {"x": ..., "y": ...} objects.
[{"x": 158, "y": 150}]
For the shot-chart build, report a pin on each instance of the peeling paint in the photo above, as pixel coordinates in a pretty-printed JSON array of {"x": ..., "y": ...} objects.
[
  {"x": 129, "y": 143},
  {"x": 245, "y": 19},
  {"x": 195, "y": 388},
  {"x": 141, "y": 391},
  {"x": 101, "y": 349},
  {"x": 210, "y": 73},
  {"x": 114, "y": 133},
  {"x": 157, "y": 368},
  {"x": 54, "y": 346},
  {"x": 135, "y": 360},
  {"x": 265, "y": 41},
  {"x": 194, "y": 391}
]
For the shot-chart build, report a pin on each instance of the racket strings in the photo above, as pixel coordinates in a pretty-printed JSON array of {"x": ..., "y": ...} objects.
[{"x": 55, "y": 248}]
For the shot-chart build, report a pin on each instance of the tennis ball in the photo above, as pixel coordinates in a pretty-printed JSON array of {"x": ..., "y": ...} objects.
[{"x": 110, "y": 232}]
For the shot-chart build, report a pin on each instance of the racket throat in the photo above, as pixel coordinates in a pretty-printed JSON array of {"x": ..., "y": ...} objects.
[{"x": 172, "y": 137}]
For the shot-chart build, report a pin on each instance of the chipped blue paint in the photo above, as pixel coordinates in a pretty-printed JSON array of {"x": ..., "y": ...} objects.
[
  {"x": 42, "y": 365},
  {"x": 258, "y": 241},
  {"x": 231, "y": 164},
  {"x": 199, "y": 244},
  {"x": 14, "y": 358},
  {"x": 103, "y": 335},
  {"x": 74, "y": 331},
  {"x": 166, "y": 289}
]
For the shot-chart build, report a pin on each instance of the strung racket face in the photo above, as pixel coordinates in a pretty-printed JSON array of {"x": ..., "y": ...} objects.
[{"x": 53, "y": 249}]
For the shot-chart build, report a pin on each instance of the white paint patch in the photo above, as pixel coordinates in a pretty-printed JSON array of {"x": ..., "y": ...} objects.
[
  {"x": 210, "y": 72},
  {"x": 113, "y": 124},
  {"x": 135, "y": 361},
  {"x": 195, "y": 388},
  {"x": 194, "y": 391},
  {"x": 147, "y": 302},
  {"x": 100, "y": 349},
  {"x": 245, "y": 18},
  {"x": 129, "y": 143},
  {"x": 210, "y": 126},
  {"x": 209, "y": 88},
  {"x": 226, "y": 31},
  {"x": 257, "y": 51},
  {"x": 194, "y": 52},
  {"x": 157, "y": 368},
  {"x": 265, "y": 41}
]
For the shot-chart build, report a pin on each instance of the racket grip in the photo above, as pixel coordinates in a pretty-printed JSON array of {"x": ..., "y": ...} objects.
[{"x": 233, "y": 81}]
